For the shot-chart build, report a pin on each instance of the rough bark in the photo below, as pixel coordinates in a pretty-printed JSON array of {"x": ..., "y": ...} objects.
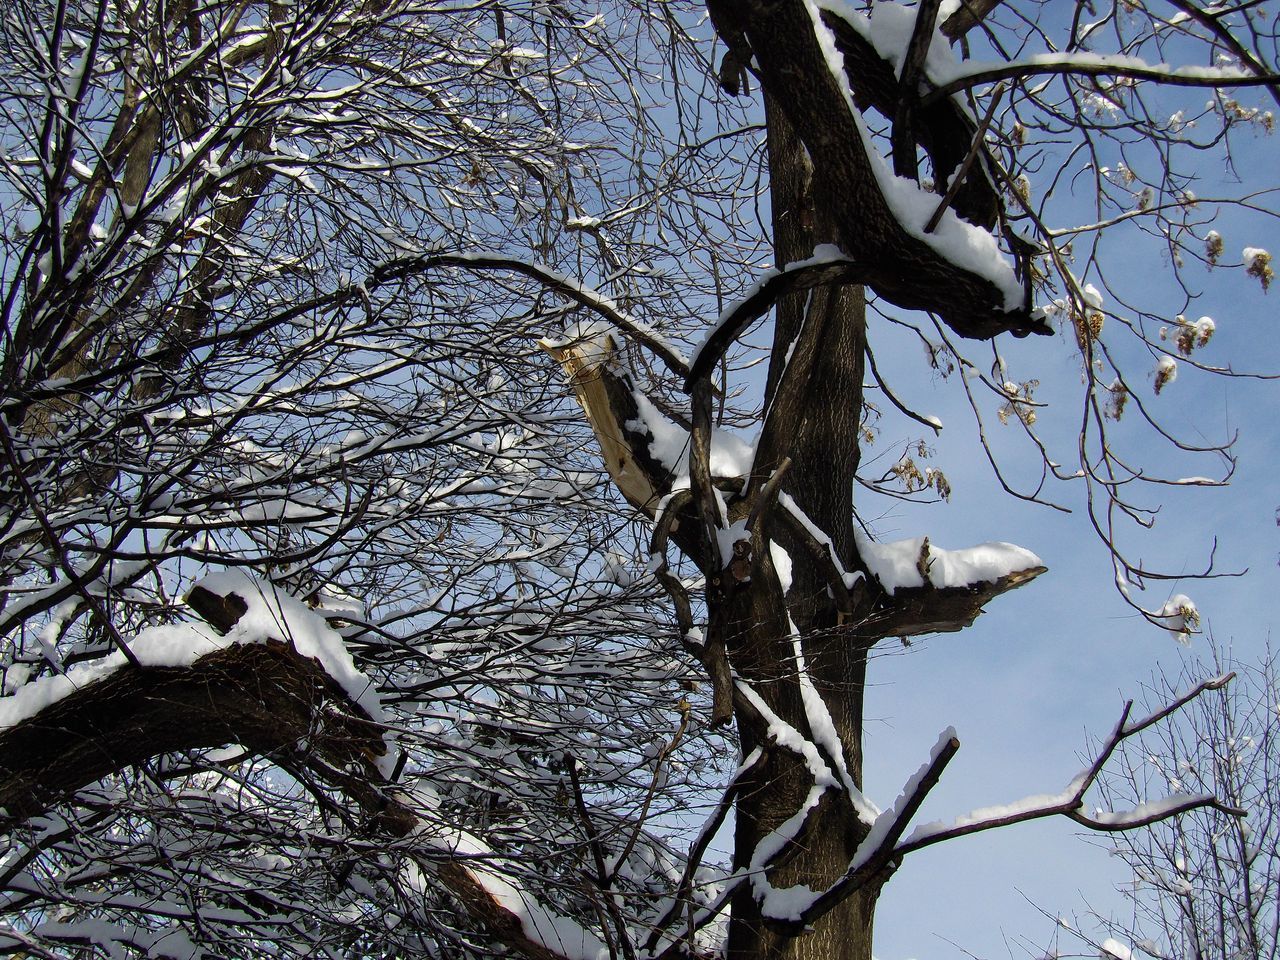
[
  {"x": 808, "y": 449},
  {"x": 899, "y": 266},
  {"x": 817, "y": 428}
]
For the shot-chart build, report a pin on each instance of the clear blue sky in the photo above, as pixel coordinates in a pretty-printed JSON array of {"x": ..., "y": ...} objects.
[{"x": 1055, "y": 660}]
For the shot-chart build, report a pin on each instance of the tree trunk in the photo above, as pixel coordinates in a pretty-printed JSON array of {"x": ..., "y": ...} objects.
[
  {"x": 821, "y": 428},
  {"x": 792, "y": 608}
]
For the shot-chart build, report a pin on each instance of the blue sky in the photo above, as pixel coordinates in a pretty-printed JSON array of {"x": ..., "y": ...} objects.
[{"x": 1054, "y": 661}]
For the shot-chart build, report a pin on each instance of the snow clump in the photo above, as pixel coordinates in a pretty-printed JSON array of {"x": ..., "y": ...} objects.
[{"x": 1180, "y": 617}]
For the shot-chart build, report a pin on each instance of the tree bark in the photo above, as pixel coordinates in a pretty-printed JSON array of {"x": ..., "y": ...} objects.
[
  {"x": 795, "y": 656},
  {"x": 820, "y": 428}
]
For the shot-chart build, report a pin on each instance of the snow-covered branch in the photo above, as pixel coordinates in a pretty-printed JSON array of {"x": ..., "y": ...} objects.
[
  {"x": 1070, "y": 801},
  {"x": 271, "y": 675},
  {"x": 1096, "y": 65}
]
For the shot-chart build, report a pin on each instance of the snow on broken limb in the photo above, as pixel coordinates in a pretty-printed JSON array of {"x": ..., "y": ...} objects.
[
  {"x": 960, "y": 243},
  {"x": 904, "y": 563},
  {"x": 270, "y": 615},
  {"x": 273, "y": 614},
  {"x": 669, "y": 445}
]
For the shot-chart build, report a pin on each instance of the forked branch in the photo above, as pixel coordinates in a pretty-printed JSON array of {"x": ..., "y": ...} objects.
[{"x": 884, "y": 847}]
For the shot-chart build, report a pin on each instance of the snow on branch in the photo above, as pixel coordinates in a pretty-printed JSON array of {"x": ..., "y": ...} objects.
[
  {"x": 1094, "y": 65},
  {"x": 958, "y": 269},
  {"x": 242, "y": 611},
  {"x": 1070, "y": 801},
  {"x": 485, "y": 884},
  {"x": 883, "y": 847},
  {"x": 827, "y": 265},
  {"x": 269, "y": 674},
  {"x": 879, "y": 846}
]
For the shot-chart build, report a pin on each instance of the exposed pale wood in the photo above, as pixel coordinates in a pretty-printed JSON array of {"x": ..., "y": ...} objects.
[{"x": 590, "y": 387}]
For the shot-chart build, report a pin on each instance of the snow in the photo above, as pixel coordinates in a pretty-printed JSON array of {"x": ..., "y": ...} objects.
[
  {"x": 824, "y": 730},
  {"x": 958, "y": 241},
  {"x": 897, "y": 564},
  {"x": 885, "y": 821},
  {"x": 272, "y": 614},
  {"x": 1255, "y": 255},
  {"x": 790, "y": 902},
  {"x": 782, "y": 564},
  {"x": 1151, "y": 810},
  {"x": 1179, "y": 616},
  {"x": 1113, "y": 949},
  {"x": 162, "y": 646},
  {"x": 819, "y": 535},
  {"x": 788, "y": 737},
  {"x": 731, "y": 455},
  {"x": 558, "y": 933}
]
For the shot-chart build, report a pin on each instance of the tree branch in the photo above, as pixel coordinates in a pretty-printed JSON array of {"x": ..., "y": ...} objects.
[
  {"x": 266, "y": 696},
  {"x": 903, "y": 139},
  {"x": 1071, "y": 65},
  {"x": 763, "y": 296},
  {"x": 898, "y": 264},
  {"x": 1071, "y": 800},
  {"x": 970, "y": 15}
]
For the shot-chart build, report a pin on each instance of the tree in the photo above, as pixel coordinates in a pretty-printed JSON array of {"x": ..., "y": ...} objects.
[
  {"x": 1203, "y": 885},
  {"x": 273, "y": 275},
  {"x": 224, "y": 354}
]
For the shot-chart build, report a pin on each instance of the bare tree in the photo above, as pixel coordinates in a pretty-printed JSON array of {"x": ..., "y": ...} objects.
[
  {"x": 1203, "y": 885},
  {"x": 247, "y": 334},
  {"x": 280, "y": 285}
]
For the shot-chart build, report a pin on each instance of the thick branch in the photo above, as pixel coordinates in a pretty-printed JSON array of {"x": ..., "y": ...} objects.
[
  {"x": 266, "y": 696},
  {"x": 605, "y": 397},
  {"x": 912, "y": 611},
  {"x": 881, "y": 844},
  {"x": 970, "y": 15},
  {"x": 942, "y": 128},
  {"x": 901, "y": 266},
  {"x": 903, "y": 138}
]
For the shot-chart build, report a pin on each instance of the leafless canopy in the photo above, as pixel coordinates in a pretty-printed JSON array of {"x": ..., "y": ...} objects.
[{"x": 324, "y": 630}]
